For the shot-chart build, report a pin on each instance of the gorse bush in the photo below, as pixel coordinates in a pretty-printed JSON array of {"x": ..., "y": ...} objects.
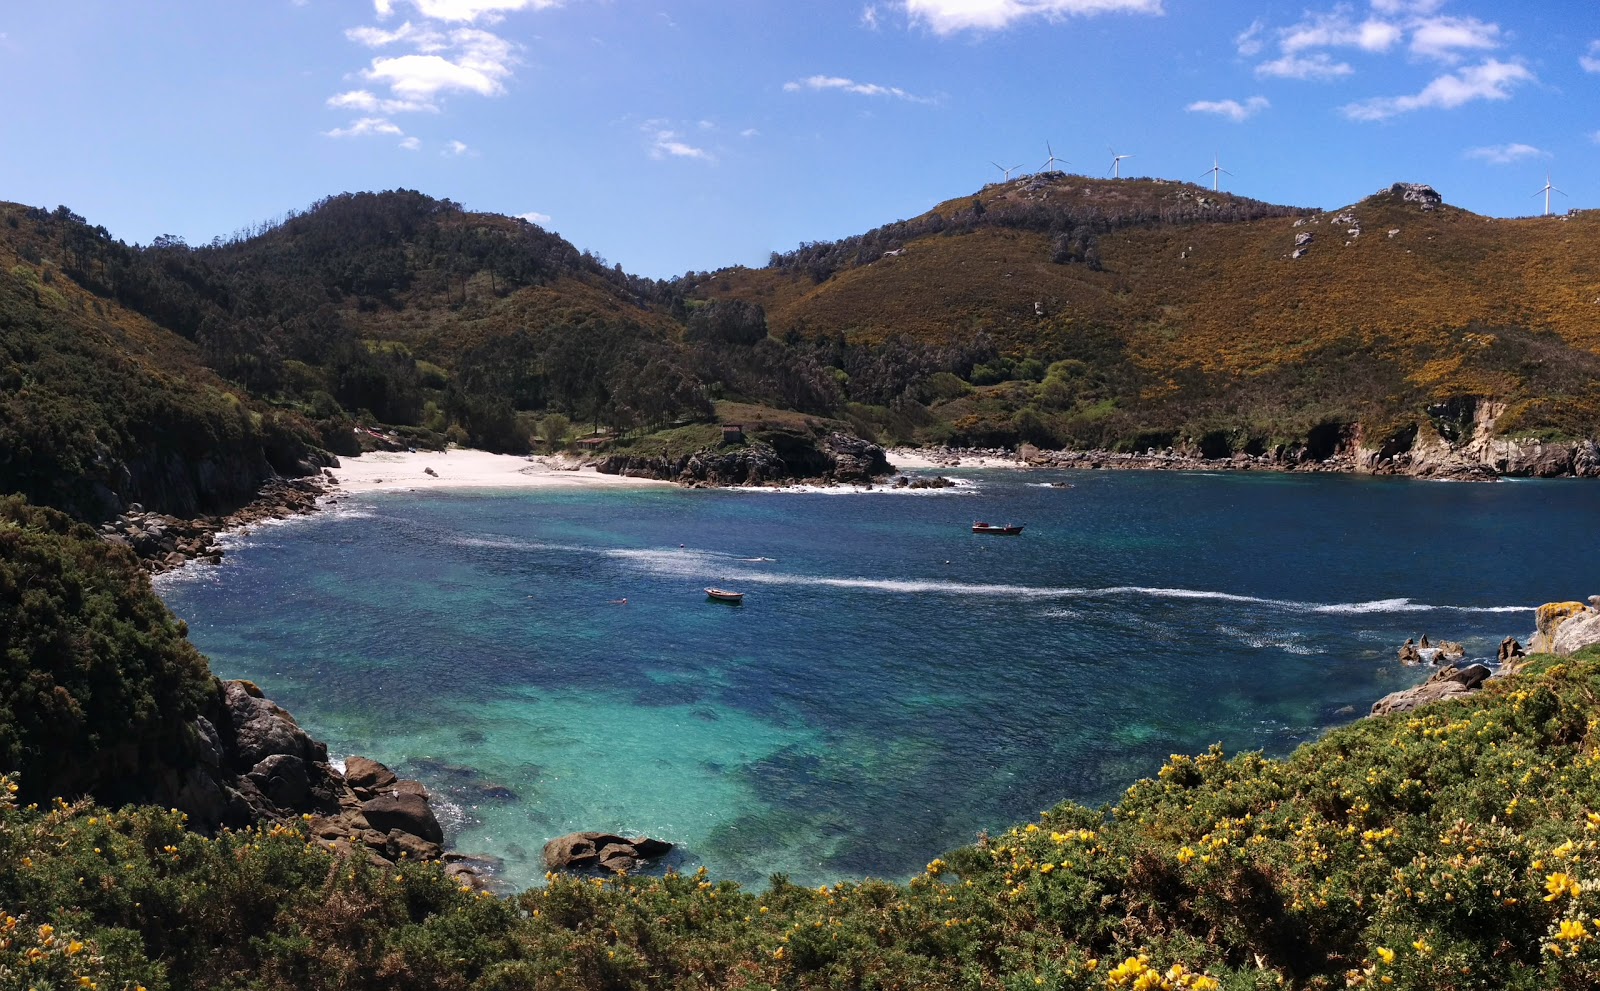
[{"x": 97, "y": 678}]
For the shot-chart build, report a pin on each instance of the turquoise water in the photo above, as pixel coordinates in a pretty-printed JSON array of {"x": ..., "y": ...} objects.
[{"x": 892, "y": 684}]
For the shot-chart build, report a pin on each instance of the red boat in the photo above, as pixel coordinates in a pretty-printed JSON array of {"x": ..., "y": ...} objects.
[{"x": 1003, "y": 530}]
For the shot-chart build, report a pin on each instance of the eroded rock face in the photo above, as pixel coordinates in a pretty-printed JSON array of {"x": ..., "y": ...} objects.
[
  {"x": 606, "y": 851},
  {"x": 262, "y": 728},
  {"x": 1577, "y": 632},
  {"x": 1447, "y": 683},
  {"x": 1548, "y": 620},
  {"x": 405, "y": 812},
  {"x": 1425, "y": 197}
]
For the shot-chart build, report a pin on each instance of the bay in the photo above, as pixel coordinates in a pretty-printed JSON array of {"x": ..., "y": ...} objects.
[{"x": 893, "y": 684}]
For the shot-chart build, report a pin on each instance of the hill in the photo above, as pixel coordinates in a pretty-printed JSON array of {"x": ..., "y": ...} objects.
[
  {"x": 1140, "y": 312},
  {"x": 101, "y": 407}
]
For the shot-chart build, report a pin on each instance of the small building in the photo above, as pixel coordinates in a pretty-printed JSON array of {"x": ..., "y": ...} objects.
[
  {"x": 733, "y": 433},
  {"x": 591, "y": 443}
]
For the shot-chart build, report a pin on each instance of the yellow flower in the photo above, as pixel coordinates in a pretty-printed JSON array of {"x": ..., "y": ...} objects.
[
  {"x": 1422, "y": 947},
  {"x": 1559, "y": 884},
  {"x": 1385, "y": 954},
  {"x": 1185, "y": 855},
  {"x": 1573, "y": 930}
]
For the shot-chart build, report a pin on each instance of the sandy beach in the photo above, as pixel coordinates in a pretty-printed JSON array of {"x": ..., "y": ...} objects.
[
  {"x": 460, "y": 468},
  {"x": 916, "y": 458}
]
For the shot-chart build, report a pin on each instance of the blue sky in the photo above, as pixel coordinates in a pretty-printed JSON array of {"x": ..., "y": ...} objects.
[{"x": 672, "y": 136}]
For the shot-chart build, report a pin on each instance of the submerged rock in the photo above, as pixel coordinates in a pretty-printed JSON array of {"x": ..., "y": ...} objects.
[{"x": 606, "y": 851}]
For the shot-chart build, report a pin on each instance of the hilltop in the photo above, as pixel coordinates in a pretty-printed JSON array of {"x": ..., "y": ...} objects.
[{"x": 1138, "y": 313}]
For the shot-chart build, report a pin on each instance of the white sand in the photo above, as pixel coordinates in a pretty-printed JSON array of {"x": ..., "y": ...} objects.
[
  {"x": 918, "y": 458},
  {"x": 460, "y": 468}
]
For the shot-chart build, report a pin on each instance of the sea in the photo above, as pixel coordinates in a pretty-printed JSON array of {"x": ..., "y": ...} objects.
[{"x": 893, "y": 684}]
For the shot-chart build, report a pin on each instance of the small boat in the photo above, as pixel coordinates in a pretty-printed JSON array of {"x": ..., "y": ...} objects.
[
  {"x": 723, "y": 595},
  {"x": 1001, "y": 529}
]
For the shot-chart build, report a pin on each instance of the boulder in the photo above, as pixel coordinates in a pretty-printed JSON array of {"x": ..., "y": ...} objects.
[
  {"x": 402, "y": 844},
  {"x": 283, "y": 779},
  {"x": 573, "y": 850},
  {"x": 368, "y": 774},
  {"x": 618, "y": 858},
  {"x": 1446, "y": 683},
  {"x": 648, "y": 848},
  {"x": 1578, "y": 632},
  {"x": 407, "y": 813},
  {"x": 1449, "y": 652},
  {"x": 1408, "y": 652},
  {"x": 262, "y": 728},
  {"x": 1548, "y": 620}
]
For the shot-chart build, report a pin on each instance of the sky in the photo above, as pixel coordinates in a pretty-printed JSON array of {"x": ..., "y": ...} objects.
[{"x": 688, "y": 135}]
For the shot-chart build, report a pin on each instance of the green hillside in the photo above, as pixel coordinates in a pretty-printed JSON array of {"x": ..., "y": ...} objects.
[{"x": 1191, "y": 316}]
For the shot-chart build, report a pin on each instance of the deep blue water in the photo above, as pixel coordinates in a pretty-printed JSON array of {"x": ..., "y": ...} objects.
[{"x": 892, "y": 684}]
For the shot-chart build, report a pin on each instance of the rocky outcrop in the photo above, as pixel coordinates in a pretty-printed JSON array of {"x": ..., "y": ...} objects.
[
  {"x": 164, "y": 542},
  {"x": 1548, "y": 620},
  {"x": 777, "y": 457},
  {"x": 1459, "y": 441},
  {"x": 1425, "y": 197},
  {"x": 248, "y": 762},
  {"x": 1446, "y": 683},
  {"x": 603, "y": 851},
  {"x": 1577, "y": 632}
]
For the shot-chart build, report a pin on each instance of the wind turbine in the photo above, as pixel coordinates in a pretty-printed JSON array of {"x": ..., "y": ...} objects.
[
  {"x": 1050, "y": 163},
  {"x": 1547, "y": 191},
  {"x": 1215, "y": 170},
  {"x": 1005, "y": 171},
  {"x": 1116, "y": 163}
]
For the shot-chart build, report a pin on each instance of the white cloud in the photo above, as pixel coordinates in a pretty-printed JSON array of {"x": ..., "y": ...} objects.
[
  {"x": 822, "y": 83},
  {"x": 869, "y": 17},
  {"x": 364, "y": 127},
  {"x": 667, "y": 143},
  {"x": 535, "y": 217},
  {"x": 1337, "y": 30},
  {"x": 749, "y": 132},
  {"x": 1442, "y": 37},
  {"x": 1590, "y": 60},
  {"x": 1506, "y": 154},
  {"x": 1231, "y": 109},
  {"x": 945, "y": 17},
  {"x": 420, "y": 77},
  {"x": 411, "y": 144},
  {"x": 1316, "y": 66},
  {"x": 1248, "y": 41},
  {"x": 456, "y": 149},
  {"x": 465, "y": 10},
  {"x": 363, "y": 100},
  {"x": 1492, "y": 80}
]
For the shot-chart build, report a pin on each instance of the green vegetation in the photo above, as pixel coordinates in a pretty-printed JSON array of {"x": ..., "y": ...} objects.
[{"x": 97, "y": 679}]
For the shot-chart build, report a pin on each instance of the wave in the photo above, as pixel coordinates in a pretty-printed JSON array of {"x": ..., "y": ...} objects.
[
  {"x": 691, "y": 562},
  {"x": 1286, "y": 642},
  {"x": 957, "y": 486}
]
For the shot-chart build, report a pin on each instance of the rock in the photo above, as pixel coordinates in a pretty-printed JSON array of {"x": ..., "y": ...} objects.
[
  {"x": 1577, "y": 632},
  {"x": 1548, "y": 620},
  {"x": 573, "y": 850},
  {"x": 1304, "y": 238},
  {"x": 618, "y": 858},
  {"x": 407, "y": 813},
  {"x": 854, "y": 459},
  {"x": 650, "y": 849},
  {"x": 1446, "y": 683},
  {"x": 1510, "y": 650},
  {"x": 402, "y": 844},
  {"x": 1426, "y": 197},
  {"x": 367, "y": 774},
  {"x": 408, "y": 787},
  {"x": 1298, "y": 253},
  {"x": 283, "y": 779},
  {"x": 1408, "y": 652},
  {"x": 261, "y": 728},
  {"x": 1449, "y": 652}
]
